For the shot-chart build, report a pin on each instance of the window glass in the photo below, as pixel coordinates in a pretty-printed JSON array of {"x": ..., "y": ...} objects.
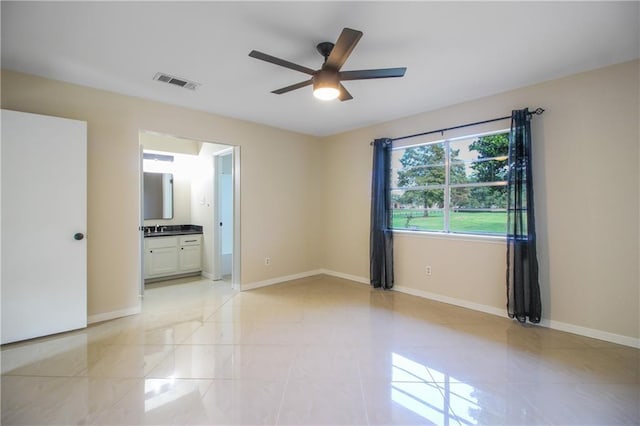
[
  {"x": 479, "y": 209},
  {"x": 418, "y": 210},
  {"x": 456, "y": 185}
]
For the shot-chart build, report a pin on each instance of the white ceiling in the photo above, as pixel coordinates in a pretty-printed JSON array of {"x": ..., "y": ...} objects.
[{"x": 453, "y": 51}]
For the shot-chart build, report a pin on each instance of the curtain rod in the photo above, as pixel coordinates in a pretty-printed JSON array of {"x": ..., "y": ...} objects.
[{"x": 537, "y": 111}]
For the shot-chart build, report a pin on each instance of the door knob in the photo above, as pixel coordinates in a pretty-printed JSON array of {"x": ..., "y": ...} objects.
[{"x": 78, "y": 236}]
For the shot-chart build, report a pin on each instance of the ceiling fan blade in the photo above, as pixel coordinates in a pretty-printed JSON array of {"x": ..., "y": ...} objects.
[
  {"x": 281, "y": 62},
  {"x": 369, "y": 74},
  {"x": 342, "y": 49},
  {"x": 344, "y": 94},
  {"x": 292, "y": 87}
]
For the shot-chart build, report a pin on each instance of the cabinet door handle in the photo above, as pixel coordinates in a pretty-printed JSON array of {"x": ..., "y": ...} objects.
[
  {"x": 181, "y": 248},
  {"x": 150, "y": 251},
  {"x": 190, "y": 241}
]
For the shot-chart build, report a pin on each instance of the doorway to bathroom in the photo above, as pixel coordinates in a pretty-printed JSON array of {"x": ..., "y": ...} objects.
[
  {"x": 189, "y": 211},
  {"x": 223, "y": 226}
]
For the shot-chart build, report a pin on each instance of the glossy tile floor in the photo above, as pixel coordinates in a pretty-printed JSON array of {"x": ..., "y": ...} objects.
[{"x": 318, "y": 351}]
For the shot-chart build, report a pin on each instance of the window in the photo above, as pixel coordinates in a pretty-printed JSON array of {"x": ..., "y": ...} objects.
[{"x": 453, "y": 186}]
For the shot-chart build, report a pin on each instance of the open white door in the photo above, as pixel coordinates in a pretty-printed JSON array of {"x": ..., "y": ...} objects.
[
  {"x": 224, "y": 213},
  {"x": 44, "y": 252},
  {"x": 141, "y": 222}
]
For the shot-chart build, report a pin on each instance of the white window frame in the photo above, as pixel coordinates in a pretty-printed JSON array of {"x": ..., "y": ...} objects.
[{"x": 447, "y": 186}]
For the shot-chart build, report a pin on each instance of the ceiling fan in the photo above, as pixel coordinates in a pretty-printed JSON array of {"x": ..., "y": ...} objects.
[{"x": 327, "y": 80}]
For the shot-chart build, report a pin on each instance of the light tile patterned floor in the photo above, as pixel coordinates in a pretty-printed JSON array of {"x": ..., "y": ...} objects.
[{"x": 320, "y": 351}]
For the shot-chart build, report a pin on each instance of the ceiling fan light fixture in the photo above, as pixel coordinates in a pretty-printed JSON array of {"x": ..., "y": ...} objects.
[
  {"x": 327, "y": 80},
  {"x": 326, "y": 85},
  {"x": 326, "y": 93}
]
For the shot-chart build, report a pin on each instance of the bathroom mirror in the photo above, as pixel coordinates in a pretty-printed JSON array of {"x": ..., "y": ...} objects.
[{"x": 158, "y": 195}]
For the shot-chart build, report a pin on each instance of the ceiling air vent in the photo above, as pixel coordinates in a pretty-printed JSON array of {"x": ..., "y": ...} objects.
[{"x": 176, "y": 81}]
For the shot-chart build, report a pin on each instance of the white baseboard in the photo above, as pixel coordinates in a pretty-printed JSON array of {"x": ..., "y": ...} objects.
[
  {"x": 590, "y": 332},
  {"x": 361, "y": 280},
  {"x": 105, "y": 316},
  {"x": 207, "y": 275},
  {"x": 278, "y": 280},
  {"x": 556, "y": 325},
  {"x": 452, "y": 301}
]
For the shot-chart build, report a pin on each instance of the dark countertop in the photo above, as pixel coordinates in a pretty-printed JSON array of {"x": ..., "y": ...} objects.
[{"x": 171, "y": 230}]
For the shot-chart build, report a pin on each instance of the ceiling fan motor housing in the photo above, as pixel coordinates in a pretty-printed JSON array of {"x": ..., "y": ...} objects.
[
  {"x": 325, "y": 79},
  {"x": 325, "y": 49}
]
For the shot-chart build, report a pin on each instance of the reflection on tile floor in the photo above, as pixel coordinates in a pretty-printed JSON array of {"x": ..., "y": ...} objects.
[{"x": 321, "y": 351}]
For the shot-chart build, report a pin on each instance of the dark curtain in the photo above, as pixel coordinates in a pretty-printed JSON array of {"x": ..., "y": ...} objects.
[
  {"x": 523, "y": 290},
  {"x": 381, "y": 238}
]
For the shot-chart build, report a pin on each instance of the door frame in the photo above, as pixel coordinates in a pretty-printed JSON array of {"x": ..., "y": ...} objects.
[
  {"x": 141, "y": 228},
  {"x": 217, "y": 212},
  {"x": 236, "y": 257}
]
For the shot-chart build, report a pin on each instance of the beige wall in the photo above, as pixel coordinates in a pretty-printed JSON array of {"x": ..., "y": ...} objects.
[
  {"x": 169, "y": 143},
  {"x": 280, "y": 183},
  {"x": 305, "y": 201},
  {"x": 587, "y": 205}
]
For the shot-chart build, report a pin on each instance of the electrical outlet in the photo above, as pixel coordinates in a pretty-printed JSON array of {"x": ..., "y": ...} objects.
[
  {"x": 267, "y": 261},
  {"x": 427, "y": 270}
]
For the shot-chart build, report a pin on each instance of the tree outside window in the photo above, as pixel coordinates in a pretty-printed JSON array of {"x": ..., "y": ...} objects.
[{"x": 464, "y": 191}]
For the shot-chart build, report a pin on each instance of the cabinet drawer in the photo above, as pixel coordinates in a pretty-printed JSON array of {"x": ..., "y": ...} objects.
[
  {"x": 190, "y": 240},
  {"x": 160, "y": 242}
]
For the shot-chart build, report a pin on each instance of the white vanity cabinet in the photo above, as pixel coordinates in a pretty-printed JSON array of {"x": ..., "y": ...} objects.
[
  {"x": 160, "y": 256},
  {"x": 189, "y": 258},
  {"x": 172, "y": 255}
]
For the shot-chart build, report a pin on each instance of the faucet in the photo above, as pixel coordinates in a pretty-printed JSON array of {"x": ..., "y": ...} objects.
[{"x": 156, "y": 230}]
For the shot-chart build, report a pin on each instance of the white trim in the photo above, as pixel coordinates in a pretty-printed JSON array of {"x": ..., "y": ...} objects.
[
  {"x": 590, "y": 332},
  {"x": 361, "y": 280},
  {"x": 236, "y": 277},
  {"x": 552, "y": 324},
  {"x": 279, "y": 280},
  {"x": 473, "y": 238},
  {"x": 215, "y": 236},
  {"x": 452, "y": 301},
  {"x": 555, "y": 325},
  {"x": 141, "y": 218},
  {"x": 463, "y": 135},
  {"x": 105, "y": 316},
  {"x": 207, "y": 275}
]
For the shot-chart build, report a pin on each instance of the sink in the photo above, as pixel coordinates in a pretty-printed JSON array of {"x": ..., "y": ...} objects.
[{"x": 169, "y": 230}]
